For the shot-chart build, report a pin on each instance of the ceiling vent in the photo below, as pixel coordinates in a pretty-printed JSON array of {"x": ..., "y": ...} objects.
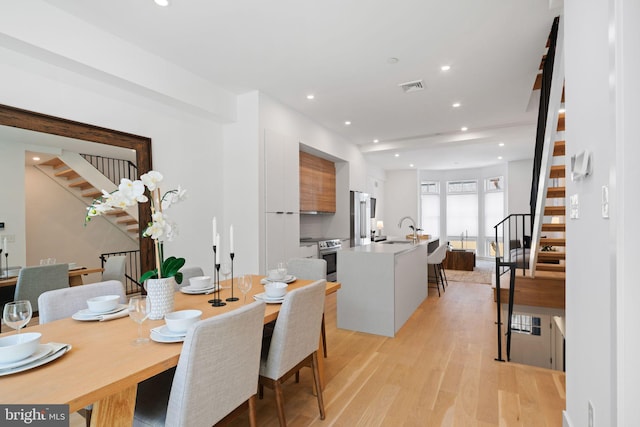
[{"x": 412, "y": 86}]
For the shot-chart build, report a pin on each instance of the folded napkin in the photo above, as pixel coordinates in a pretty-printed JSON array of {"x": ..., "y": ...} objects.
[{"x": 116, "y": 315}]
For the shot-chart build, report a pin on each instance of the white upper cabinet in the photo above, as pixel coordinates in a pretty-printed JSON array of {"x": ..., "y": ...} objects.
[{"x": 282, "y": 176}]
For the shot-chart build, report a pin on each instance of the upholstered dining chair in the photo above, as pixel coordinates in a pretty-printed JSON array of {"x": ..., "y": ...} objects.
[
  {"x": 64, "y": 302},
  {"x": 114, "y": 269},
  {"x": 33, "y": 281},
  {"x": 294, "y": 343},
  {"x": 61, "y": 303},
  {"x": 436, "y": 258},
  {"x": 189, "y": 272},
  {"x": 217, "y": 372},
  {"x": 310, "y": 269}
]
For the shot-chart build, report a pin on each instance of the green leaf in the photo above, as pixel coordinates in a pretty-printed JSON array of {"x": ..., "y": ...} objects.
[{"x": 151, "y": 274}]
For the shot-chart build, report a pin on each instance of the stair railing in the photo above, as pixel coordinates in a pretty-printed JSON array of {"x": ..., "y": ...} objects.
[
  {"x": 131, "y": 269},
  {"x": 114, "y": 169},
  {"x": 512, "y": 242}
]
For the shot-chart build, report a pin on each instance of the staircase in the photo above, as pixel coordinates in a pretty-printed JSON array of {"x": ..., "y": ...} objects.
[{"x": 85, "y": 182}]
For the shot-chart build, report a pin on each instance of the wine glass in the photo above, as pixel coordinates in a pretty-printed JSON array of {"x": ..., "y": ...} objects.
[
  {"x": 17, "y": 314},
  {"x": 244, "y": 285},
  {"x": 282, "y": 270},
  {"x": 139, "y": 309},
  {"x": 225, "y": 269}
]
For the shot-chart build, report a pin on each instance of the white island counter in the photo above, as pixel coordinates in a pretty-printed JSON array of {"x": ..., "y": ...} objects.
[{"x": 382, "y": 285}]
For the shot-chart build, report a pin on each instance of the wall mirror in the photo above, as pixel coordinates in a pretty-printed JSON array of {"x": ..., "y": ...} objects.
[{"x": 29, "y": 120}]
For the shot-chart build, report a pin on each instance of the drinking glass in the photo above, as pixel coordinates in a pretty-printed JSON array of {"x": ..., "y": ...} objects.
[
  {"x": 225, "y": 269},
  {"x": 244, "y": 285},
  {"x": 17, "y": 314},
  {"x": 282, "y": 270},
  {"x": 139, "y": 309}
]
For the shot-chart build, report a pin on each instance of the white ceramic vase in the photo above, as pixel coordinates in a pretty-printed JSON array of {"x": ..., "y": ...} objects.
[{"x": 160, "y": 293}]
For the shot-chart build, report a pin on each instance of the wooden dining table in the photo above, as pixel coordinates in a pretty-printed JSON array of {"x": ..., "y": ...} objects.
[
  {"x": 104, "y": 367},
  {"x": 75, "y": 276}
]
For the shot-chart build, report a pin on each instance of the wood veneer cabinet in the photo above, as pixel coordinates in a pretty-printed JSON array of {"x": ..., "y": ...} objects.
[{"x": 317, "y": 184}]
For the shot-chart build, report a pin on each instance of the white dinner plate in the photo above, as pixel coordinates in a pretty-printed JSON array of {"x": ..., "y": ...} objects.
[
  {"x": 263, "y": 297},
  {"x": 163, "y": 338},
  {"x": 166, "y": 332},
  {"x": 287, "y": 279},
  {"x": 57, "y": 350},
  {"x": 87, "y": 314},
  {"x": 41, "y": 351},
  {"x": 195, "y": 291}
]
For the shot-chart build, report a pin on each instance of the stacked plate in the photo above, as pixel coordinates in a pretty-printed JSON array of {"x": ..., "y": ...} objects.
[
  {"x": 44, "y": 354},
  {"x": 287, "y": 279},
  {"x": 196, "y": 291},
  {"x": 88, "y": 315},
  {"x": 163, "y": 334},
  {"x": 263, "y": 297}
]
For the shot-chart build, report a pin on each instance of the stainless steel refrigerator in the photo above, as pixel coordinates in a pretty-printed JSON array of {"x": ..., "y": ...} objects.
[{"x": 360, "y": 219}]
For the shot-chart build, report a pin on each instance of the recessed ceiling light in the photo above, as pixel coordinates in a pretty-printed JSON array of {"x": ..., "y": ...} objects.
[
  {"x": 311, "y": 96},
  {"x": 392, "y": 60},
  {"x": 445, "y": 67},
  {"x": 396, "y": 155},
  {"x": 163, "y": 3},
  {"x": 456, "y": 105},
  {"x": 36, "y": 159},
  {"x": 375, "y": 141},
  {"x": 501, "y": 144},
  {"x": 411, "y": 165},
  {"x": 464, "y": 128},
  {"x": 499, "y": 157},
  {"x": 347, "y": 123}
]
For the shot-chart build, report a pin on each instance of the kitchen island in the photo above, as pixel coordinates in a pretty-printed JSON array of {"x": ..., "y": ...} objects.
[{"x": 382, "y": 285}]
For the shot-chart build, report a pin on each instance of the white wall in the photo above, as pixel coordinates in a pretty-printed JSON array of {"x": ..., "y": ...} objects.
[
  {"x": 603, "y": 96},
  {"x": 402, "y": 193},
  {"x": 518, "y": 183},
  {"x": 12, "y": 201}
]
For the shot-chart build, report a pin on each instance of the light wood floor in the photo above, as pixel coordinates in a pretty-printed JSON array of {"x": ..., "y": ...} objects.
[{"x": 438, "y": 371}]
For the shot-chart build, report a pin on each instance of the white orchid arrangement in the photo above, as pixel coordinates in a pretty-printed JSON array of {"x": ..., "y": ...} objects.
[{"x": 160, "y": 229}]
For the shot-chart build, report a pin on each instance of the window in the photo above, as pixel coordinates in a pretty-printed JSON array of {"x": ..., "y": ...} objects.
[
  {"x": 493, "y": 211},
  {"x": 430, "y": 203},
  {"x": 462, "y": 213},
  {"x": 525, "y": 324}
]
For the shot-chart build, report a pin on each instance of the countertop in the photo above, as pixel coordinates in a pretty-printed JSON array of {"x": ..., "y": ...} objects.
[{"x": 386, "y": 248}]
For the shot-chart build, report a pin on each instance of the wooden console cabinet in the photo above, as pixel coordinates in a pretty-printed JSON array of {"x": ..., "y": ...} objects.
[{"x": 460, "y": 260}]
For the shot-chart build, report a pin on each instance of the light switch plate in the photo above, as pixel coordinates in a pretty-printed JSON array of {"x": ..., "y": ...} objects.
[
  {"x": 574, "y": 208},
  {"x": 605, "y": 201}
]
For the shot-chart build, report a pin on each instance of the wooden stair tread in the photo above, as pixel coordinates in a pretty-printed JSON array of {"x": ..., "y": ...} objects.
[
  {"x": 556, "y": 192},
  {"x": 117, "y": 212},
  {"x": 543, "y": 267},
  {"x": 539, "y": 291},
  {"x": 552, "y": 241},
  {"x": 560, "y": 122},
  {"x": 92, "y": 194},
  {"x": 82, "y": 184},
  {"x": 559, "y": 148},
  {"x": 557, "y": 171},
  {"x": 55, "y": 163},
  {"x": 561, "y": 227},
  {"x": 551, "y": 255},
  {"x": 555, "y": 210},
  {"x": 127, "y": 221},
  {"x": 67, "y": 173}
]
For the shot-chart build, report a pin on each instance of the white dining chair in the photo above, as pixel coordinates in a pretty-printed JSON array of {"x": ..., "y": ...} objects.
[
  {"x": 217, "y": 372},
  {"x": 114, "y": 269},
  {"x": 33, "y": 281},
  {"x": 310, "y": 269},
  {"x": 294, "y": 343},
  {"x": 64, "y": 302}
]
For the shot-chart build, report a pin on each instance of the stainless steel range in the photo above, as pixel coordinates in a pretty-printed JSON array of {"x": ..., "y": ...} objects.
[{"x": 328, "y": 250}]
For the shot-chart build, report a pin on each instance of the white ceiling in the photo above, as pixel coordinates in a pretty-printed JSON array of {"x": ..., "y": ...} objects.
[{"x": 339, "y": 50}]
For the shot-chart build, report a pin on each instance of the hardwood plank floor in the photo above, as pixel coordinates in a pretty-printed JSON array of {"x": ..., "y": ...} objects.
[{"x": 438, "y": 371}]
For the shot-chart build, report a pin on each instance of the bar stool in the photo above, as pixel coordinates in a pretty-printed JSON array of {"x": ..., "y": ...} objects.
[{"x": 436, "y": 258}]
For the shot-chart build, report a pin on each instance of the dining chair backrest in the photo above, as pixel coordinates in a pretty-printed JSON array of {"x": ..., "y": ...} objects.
[
  {"x": 217, "y": 371},
  {"x": 61, "y": 303},
  {"x": 297, "y": 329},
  {"x": 114, "y": 269},
  {"x": 307, "y": 268},
  {"x": 189, "y": 272},
  {"x": 33, "y": 281}
]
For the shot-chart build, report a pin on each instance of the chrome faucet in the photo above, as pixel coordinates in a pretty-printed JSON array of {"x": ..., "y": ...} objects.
[{"x": 415, "y": 232}]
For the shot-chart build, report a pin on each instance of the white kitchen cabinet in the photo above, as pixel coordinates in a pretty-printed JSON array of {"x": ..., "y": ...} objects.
[
  {"x": 282, "y": 237},
  {"x": 308, "y": 251},
  {"x": 282, "y": 173}
]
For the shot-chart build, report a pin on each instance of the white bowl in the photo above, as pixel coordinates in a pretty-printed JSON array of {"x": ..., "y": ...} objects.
[
  {"x": 275, "y": 289},
  {"x": 103, "y": 303},
  {"x": 276, "y": 274},
  {"x": 18, "y": 346},
  {"x": 179, "y": 321},
  {"x": 200, "y": 282}
]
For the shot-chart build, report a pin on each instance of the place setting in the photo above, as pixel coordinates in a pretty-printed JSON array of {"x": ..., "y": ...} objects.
[
  {"x": 176, "y": 325},
  {"x": 274, "y": 293},
  {"x": 101, "y": 308},
  {"x": 23, "y": 351},
  {"x": 278, "y": 274},
  {"x": 200, "y": 285}
]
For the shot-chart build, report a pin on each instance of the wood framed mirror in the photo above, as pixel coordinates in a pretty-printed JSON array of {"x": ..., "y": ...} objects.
[{"x": 29, "y": 120}]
